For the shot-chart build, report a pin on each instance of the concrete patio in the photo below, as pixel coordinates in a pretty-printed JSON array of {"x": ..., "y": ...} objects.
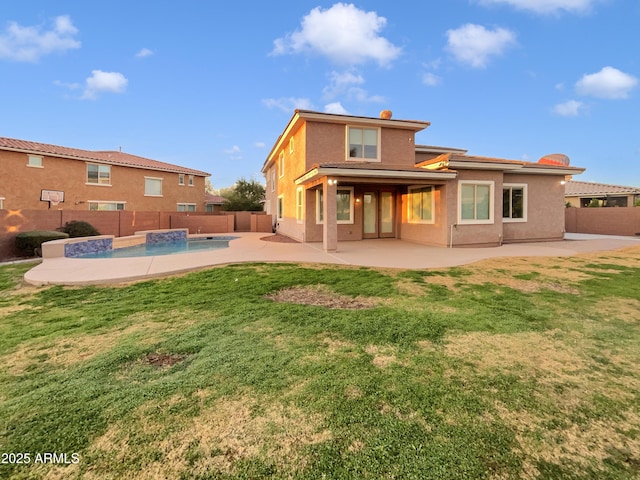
[{"x": 386, "y": 253}]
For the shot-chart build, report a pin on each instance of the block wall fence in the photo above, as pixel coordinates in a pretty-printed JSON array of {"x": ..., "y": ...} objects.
[
  {"x": 603, "y": 221},
  {"x": 124, "y": 223}
]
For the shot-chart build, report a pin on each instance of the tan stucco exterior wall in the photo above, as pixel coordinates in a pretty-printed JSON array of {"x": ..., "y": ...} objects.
[{"x": 20, "y": 185}]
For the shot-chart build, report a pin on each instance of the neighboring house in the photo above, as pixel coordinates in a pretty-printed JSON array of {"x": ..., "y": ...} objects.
[
  {"x": 585, "y": 194},
  {"x": 39, "y": 176},
  {"x": 214, "y": 202},
  {"x": 333, "y": 178}
]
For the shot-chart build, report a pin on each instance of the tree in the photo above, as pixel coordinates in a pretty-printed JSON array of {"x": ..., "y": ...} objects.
[{"x": 243, "y": 196}]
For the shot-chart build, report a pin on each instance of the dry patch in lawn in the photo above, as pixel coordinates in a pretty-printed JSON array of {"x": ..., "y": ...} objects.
[
  {"x": 320, "y": 295},
  {"x": 226, "y": 431},
  {"x": 64, "y": 352},
  {"x": 627, "y": 310},
  {"x": 382, "y": 356}
]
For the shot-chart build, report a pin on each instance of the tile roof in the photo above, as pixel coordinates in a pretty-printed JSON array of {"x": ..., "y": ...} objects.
[
  {"x": 108, "y": 157},
  {"x": 574, "y": 189},
  {"x": 214, "y": 199}
]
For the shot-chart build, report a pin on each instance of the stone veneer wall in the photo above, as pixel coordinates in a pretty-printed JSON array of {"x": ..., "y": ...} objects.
[
  {"x": 169, "y": 236},
  {"x": 78, "y": 249}
]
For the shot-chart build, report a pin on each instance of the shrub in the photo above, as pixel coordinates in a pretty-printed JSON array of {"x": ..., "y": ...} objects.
[
  {"x": 78, "y": 228},
  {"x": 30, "y": 243}
]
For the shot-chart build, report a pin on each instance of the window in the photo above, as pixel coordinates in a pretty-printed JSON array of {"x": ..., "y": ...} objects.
[
  {"x": 280, "y": 207},
  {"x": 291, "y": 146},
  {"x": 421, "y": 204},
  {"x": 1, "y": 203},
  {"x": 181, "y": 179},
  {"x": 514, "y": 203},
  {"x": 191, "y": 180},
  {"x": 281, "y": 164},
  {"x": 273, "y": 180},
  {"x": 186, "y": 207},
  {"x": 475, "y": 205},
  {"x": 106, "y": 206},
  {"x": 363, "y": 143},
  {"x": 152, "y": 187},
  {"x": 34, "y": 161},
  {"x": 99, "y": 174},
  {"x": 344, "y": 205},
  {"x": 300, "y": 205}
]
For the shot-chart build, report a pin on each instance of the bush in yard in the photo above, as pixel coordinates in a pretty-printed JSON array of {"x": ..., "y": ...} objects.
[
  {"x": 30, "y": 243},
  {"x": 77, "y": 228}
]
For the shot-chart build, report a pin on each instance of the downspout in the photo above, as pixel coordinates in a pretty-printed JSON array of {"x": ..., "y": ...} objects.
[{"x": 451, "y": 234}]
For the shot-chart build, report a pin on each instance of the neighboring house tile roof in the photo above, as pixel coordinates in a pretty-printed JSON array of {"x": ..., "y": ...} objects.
[
  {"x": 575, "y": 189},
  {"x": 108, "y": 157},
  {"x": 214, "y": 199}
]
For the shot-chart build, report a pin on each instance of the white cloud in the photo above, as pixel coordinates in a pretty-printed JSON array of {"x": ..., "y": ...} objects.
[
  {"x": 28, "y": 44},
  {"x": 288, "y": 104},
  {"x": 260, "y": 145},
  {"x": 69, "y": 86},
  {"x": 100, "y": 82},
  {"x": 336, "y": 108},
  {"x": 233, "y": 150},
  {"x": 571, "y": 108},
  {"x": 475, "y": 45},
  {"x": 546, "y": 6},
  {"x": 343, "y": 84},
  {"x": 431, "y": 79},
  {"x": 607, "y": 83},
  {"x": 145, "y": 52},
  {"x": 342, "y": 33}
]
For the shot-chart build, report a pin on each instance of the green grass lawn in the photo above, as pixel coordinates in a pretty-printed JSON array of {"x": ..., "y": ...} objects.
[{"x": 510, "y": 368}]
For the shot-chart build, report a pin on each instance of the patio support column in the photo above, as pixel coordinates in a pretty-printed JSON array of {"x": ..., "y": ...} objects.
[{"x": 329, "y": 214}]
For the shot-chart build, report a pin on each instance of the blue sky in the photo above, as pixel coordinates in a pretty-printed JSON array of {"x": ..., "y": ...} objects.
[{"x": 211, "y": 86}]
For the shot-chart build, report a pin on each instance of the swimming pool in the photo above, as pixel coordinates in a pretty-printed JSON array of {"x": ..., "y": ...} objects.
[{"x": 164, "y": 248}]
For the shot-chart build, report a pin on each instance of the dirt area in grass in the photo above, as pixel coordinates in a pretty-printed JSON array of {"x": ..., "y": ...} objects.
[{"x": 322, "y": 296}]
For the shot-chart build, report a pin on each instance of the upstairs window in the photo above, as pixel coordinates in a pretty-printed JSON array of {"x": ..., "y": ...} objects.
[
  {"x": 152, "y": 187},
  {"x": 34, "y": 161},
  {"x": 99, "y": 174},
  {"x": 191, "y": 180},
  {"x": 281, "y": 164},
  {"x": 363, "y": 143},
  {"x": 181, "y": 179}
]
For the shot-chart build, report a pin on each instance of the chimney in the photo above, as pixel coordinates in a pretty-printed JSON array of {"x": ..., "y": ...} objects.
[{"x": 386, "y": 114}]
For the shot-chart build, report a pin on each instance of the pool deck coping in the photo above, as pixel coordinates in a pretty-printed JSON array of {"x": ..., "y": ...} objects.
[{"x": 248, "y": 247}]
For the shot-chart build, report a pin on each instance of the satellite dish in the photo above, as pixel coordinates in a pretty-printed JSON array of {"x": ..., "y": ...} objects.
[{"x": 555, "y": 159}]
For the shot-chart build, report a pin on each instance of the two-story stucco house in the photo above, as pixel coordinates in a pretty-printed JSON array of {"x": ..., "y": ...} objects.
[
  {"x": 32, "y": 174},
  {"x": 332, "y": 178}
]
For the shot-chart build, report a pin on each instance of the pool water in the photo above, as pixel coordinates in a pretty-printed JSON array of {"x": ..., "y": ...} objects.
[{"x": 165, "y": 248}]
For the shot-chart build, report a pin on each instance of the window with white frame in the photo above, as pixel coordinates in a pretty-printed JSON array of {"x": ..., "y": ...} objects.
[
  {"x": 98, "y": 174},
  {"x": 300, "y": 204},
  {"x": 191, "y": 180},
  {"x": 291, "y": 145},
  {"x": 344, "y": 205},
  {"x": 152, "y": 187},
  {"x": 186, "y": 207},
  {"x": 475, "y": 203},
  {"x": 2, "y": 203},
  {"x": 105, "y": 206},
  {"x": 281, "y": 164},
  {"x": 34, "y": 161},
  {"x": 421, "y": 204},
  {"x": 514, "y": 202},
  {"x": 181, "y": 179},
  {"x": 280, "y": 207},
  {"x": 273, "y": 180},
  {"x": 363, "y": 143}
]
